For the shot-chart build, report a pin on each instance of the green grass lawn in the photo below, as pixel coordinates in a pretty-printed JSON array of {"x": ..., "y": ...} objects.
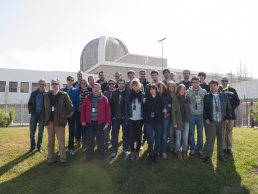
[{"x": 26, "y": 173}]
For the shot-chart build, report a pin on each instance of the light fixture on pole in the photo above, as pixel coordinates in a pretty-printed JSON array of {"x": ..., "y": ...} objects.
[{"x": 162, "y": 50}]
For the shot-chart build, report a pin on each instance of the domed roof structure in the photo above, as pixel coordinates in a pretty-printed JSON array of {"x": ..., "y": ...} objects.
[{"x": 102, "y": 49}]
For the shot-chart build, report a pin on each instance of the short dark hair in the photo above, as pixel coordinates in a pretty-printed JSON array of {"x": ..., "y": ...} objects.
[
  {"x": 202, "y": 74},
  {"x": 102, "y": 72},
  {"x": 213, "y": 81},
  {"x": 90, "y": 77},
  {"x": 142, "y": 70},
  {"x": 154, "y": 71},
  {"x": 164, "y": 70},
  {"x": 121, "y": 80},
  {"x": 186, "y": 70},
  {"x": 153, "y": 86},
  {"x": 111, "y": 80},
  {"x": 195, "y": 78},
  {"x": 130, "y": 72},
  {"x": 69, "y": 77}
]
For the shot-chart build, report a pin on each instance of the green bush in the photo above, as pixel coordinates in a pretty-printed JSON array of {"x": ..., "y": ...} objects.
[{"x": 6, "y": 119}]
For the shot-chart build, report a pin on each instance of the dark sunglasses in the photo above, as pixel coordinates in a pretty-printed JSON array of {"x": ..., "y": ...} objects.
[
  {"x": 70, "y": 80},
  {"x": 224, "y": 80},
  {"x": 111, "y": 84},
  {"x": 54, "y": 84}
]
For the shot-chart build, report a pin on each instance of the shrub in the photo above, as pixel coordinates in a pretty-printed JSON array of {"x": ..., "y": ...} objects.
[{"x": 6, "y": 119}]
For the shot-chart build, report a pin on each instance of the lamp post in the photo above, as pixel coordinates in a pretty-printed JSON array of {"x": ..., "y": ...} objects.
[{"x": 162, "y": 50}]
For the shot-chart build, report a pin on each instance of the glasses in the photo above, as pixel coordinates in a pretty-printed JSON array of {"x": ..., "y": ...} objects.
[
  {"x": 111, "y": 84},
  {"x": 224, "y": 80},
  {"x": 71, "y": 80},
  {"x": 54, "y": 84}
]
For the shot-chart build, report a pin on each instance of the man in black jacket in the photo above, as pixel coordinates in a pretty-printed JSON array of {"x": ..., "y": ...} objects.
[
  {"x": 117, "y": 104},
  {"x": 234, "y": 102},
  {"x": 216, "y": 113},
  {"x": 80, "y": 76},
  {"x": 203, "y": 84},
  {"x": 37, "y": 112}
]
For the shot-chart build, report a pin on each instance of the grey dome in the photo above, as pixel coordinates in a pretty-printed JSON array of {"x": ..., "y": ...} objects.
[{"x": 114, "y": 49}]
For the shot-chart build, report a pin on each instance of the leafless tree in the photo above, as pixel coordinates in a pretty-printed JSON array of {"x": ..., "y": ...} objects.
[{"x": 242, "y": 73}]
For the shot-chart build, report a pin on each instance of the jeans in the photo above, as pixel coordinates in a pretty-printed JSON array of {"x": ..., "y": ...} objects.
[
  {"x": 34, "y": 119},
  {"x": 78, "y": 126},
  {"x": 182, "y": 134},
  {"x": 94, "y": 129},
  {"x": 115, "y": 131},
  {"x": 106, "y": 134},
  {"x": 71, "y": 124},
  {"x": 172, "y": 136},
  {"x": 135, "y": 134},
  {"x": 164, "y": 133},
  {"x": 198, "y": 121},
  {"x": 150, "y": 137}
]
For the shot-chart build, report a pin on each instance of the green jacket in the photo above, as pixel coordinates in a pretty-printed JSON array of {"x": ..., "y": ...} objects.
[{"x": 176, "y": 113}]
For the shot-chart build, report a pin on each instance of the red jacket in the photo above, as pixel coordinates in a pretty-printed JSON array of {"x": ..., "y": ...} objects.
[{"x": 104, "y": 113}]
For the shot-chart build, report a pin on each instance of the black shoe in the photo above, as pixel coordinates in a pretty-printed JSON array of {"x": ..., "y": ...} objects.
[
  {"x": 102, "y": 158},
  {"x": 229, "y": 151},
  {"x": 156, "y": 159},
  {"x": 222, "y": 159},
  {"x": 106, "y": 147},
  {"x": 192, "y": 153},
  {"x": 149, "y": 162},
  {"x": 88, "y": 159},
  {"x": 48, "y": 164},
  {"x": 40, "y": 151},
  {"x": 206, "y": 160},
  {"x": 224, "y": 151},
  {"x": 63, "y": 164},
  {"x": 31, "y": 149}
]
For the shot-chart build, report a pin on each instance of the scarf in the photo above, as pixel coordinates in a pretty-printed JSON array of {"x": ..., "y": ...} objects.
[{"x": 134, "y": 95}]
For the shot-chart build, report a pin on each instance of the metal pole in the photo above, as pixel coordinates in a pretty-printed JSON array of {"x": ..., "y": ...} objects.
[{"x": 162, "y": 54}]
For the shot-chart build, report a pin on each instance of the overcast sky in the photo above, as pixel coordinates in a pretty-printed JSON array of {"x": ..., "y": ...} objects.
[{"x": 201, "y": 35}]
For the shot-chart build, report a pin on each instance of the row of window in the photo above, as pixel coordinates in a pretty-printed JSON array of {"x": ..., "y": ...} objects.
[{"x": 24, "y": 86}]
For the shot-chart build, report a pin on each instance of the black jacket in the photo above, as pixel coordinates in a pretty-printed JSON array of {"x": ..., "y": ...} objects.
[
  {"x": 208, "y": 107},
  {"x": 205, "y": 86},
  {"x": 114, "y": 102},
  {"x": 104, "y": 86},
  {"x": 32, "y": 101},
  {"x": 233, "y": 99},
  {"x": 155, "y": 105}
]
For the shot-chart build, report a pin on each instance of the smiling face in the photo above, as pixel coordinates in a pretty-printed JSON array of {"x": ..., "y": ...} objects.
[
  {"x": 182, "y": 91},
  {"x": 224, "y": 82}
]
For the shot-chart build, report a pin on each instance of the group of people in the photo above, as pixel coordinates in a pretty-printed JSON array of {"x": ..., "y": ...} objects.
[{"x": 155, "y": 111}]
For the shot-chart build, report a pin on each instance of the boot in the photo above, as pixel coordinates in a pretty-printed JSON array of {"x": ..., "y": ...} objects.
[
  {"x": 133, "y": 156},
  {"x": 137, "y": 156},
  {"x": 149, "y": 162},
  {"x": 184, "y": 154},
  {"x": 179, "y": 156},
  {"x": 156, "y": 158}
]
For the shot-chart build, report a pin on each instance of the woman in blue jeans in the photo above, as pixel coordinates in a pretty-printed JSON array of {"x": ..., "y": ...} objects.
[
  {"x": 154, "y": 117},
  {"x": 163, "y": 92},
  {"x": 181, "y": 118},
  {"x": 172, "y": 92}
]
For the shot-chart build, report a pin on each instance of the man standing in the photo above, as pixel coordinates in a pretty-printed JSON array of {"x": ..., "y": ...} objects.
[
  {"x": 234, "y": 102},
  {"x": 131, "y": 76},
  {"x": 185, "y": 81},
  {"x": 216, "y": 113},
  {"x": 196, "y": 95},
  {"x": 95, "y": 115},
  {"x": 37, "y": 111},
  {"x": 117, "y": 105},
  {"x": 203, "y": 84},
  {"x": 166, "y": 74},
  {"x": 102, "y": 81},
  {"x": 155, "y": 80},
  {"x": 108, "y": 93},
  {"x": 117, "y": 76},
  {"x": 142, "y": 75},
  {"x": 91, "y": 81},
  {"x": 80, "y": 76},
  {"x": 172, "y": 76},
  {"x": 74, "y": 96},
  {"x": 58, "y": 107}
]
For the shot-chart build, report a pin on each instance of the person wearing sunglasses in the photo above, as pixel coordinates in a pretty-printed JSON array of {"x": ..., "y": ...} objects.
[
  {"x": 58, "y": 107},
  {"x": 234, "y": 102},
  {"x": 74, "y": 96},
  {"x": 108, "y": 93},
  {"x": 37, "y": 112}
]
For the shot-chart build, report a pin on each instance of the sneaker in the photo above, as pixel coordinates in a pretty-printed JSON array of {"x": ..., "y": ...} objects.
[
  {"x": 126, "y": 153},
  {"x": 71, "y": 152},
  {"x": 200, "y": 154},
  {"x": 113, "y": 155},
  {"x": 192, "y": 153},
  {"x": 58, "y": 154},
  {"x": 141, "y": 148}
]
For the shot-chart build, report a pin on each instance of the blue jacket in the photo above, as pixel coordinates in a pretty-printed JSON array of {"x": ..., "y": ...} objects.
[{"x": 74, "y": 96}]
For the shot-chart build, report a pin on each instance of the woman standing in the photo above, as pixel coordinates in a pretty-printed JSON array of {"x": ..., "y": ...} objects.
[
  {"x": 181, "y": 120},
  {"x": 163, "y": 92},
  {"x": 134, "y": 117},
  {"x": 172, "y": 92},
  {"x": 154, "y": 117}
]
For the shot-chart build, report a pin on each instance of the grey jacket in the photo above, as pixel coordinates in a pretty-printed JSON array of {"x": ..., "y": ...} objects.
[{"x": 196, "y": 99}]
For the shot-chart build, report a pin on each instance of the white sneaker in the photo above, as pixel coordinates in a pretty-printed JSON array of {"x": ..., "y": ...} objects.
[
  {"x": 71, "y": 152},
  {"x": 58, "y": 154},
  {"x": 113, "y": 155},
  {"x": 126, "y": 153}
]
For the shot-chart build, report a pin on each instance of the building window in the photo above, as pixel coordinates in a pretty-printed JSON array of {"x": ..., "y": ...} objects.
[
  {"x": 13, "y": 86},
  {"x": 34, "y": 86},
  {"x": 2, "y": 86},
  {"x": 24, "y": 87}
]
